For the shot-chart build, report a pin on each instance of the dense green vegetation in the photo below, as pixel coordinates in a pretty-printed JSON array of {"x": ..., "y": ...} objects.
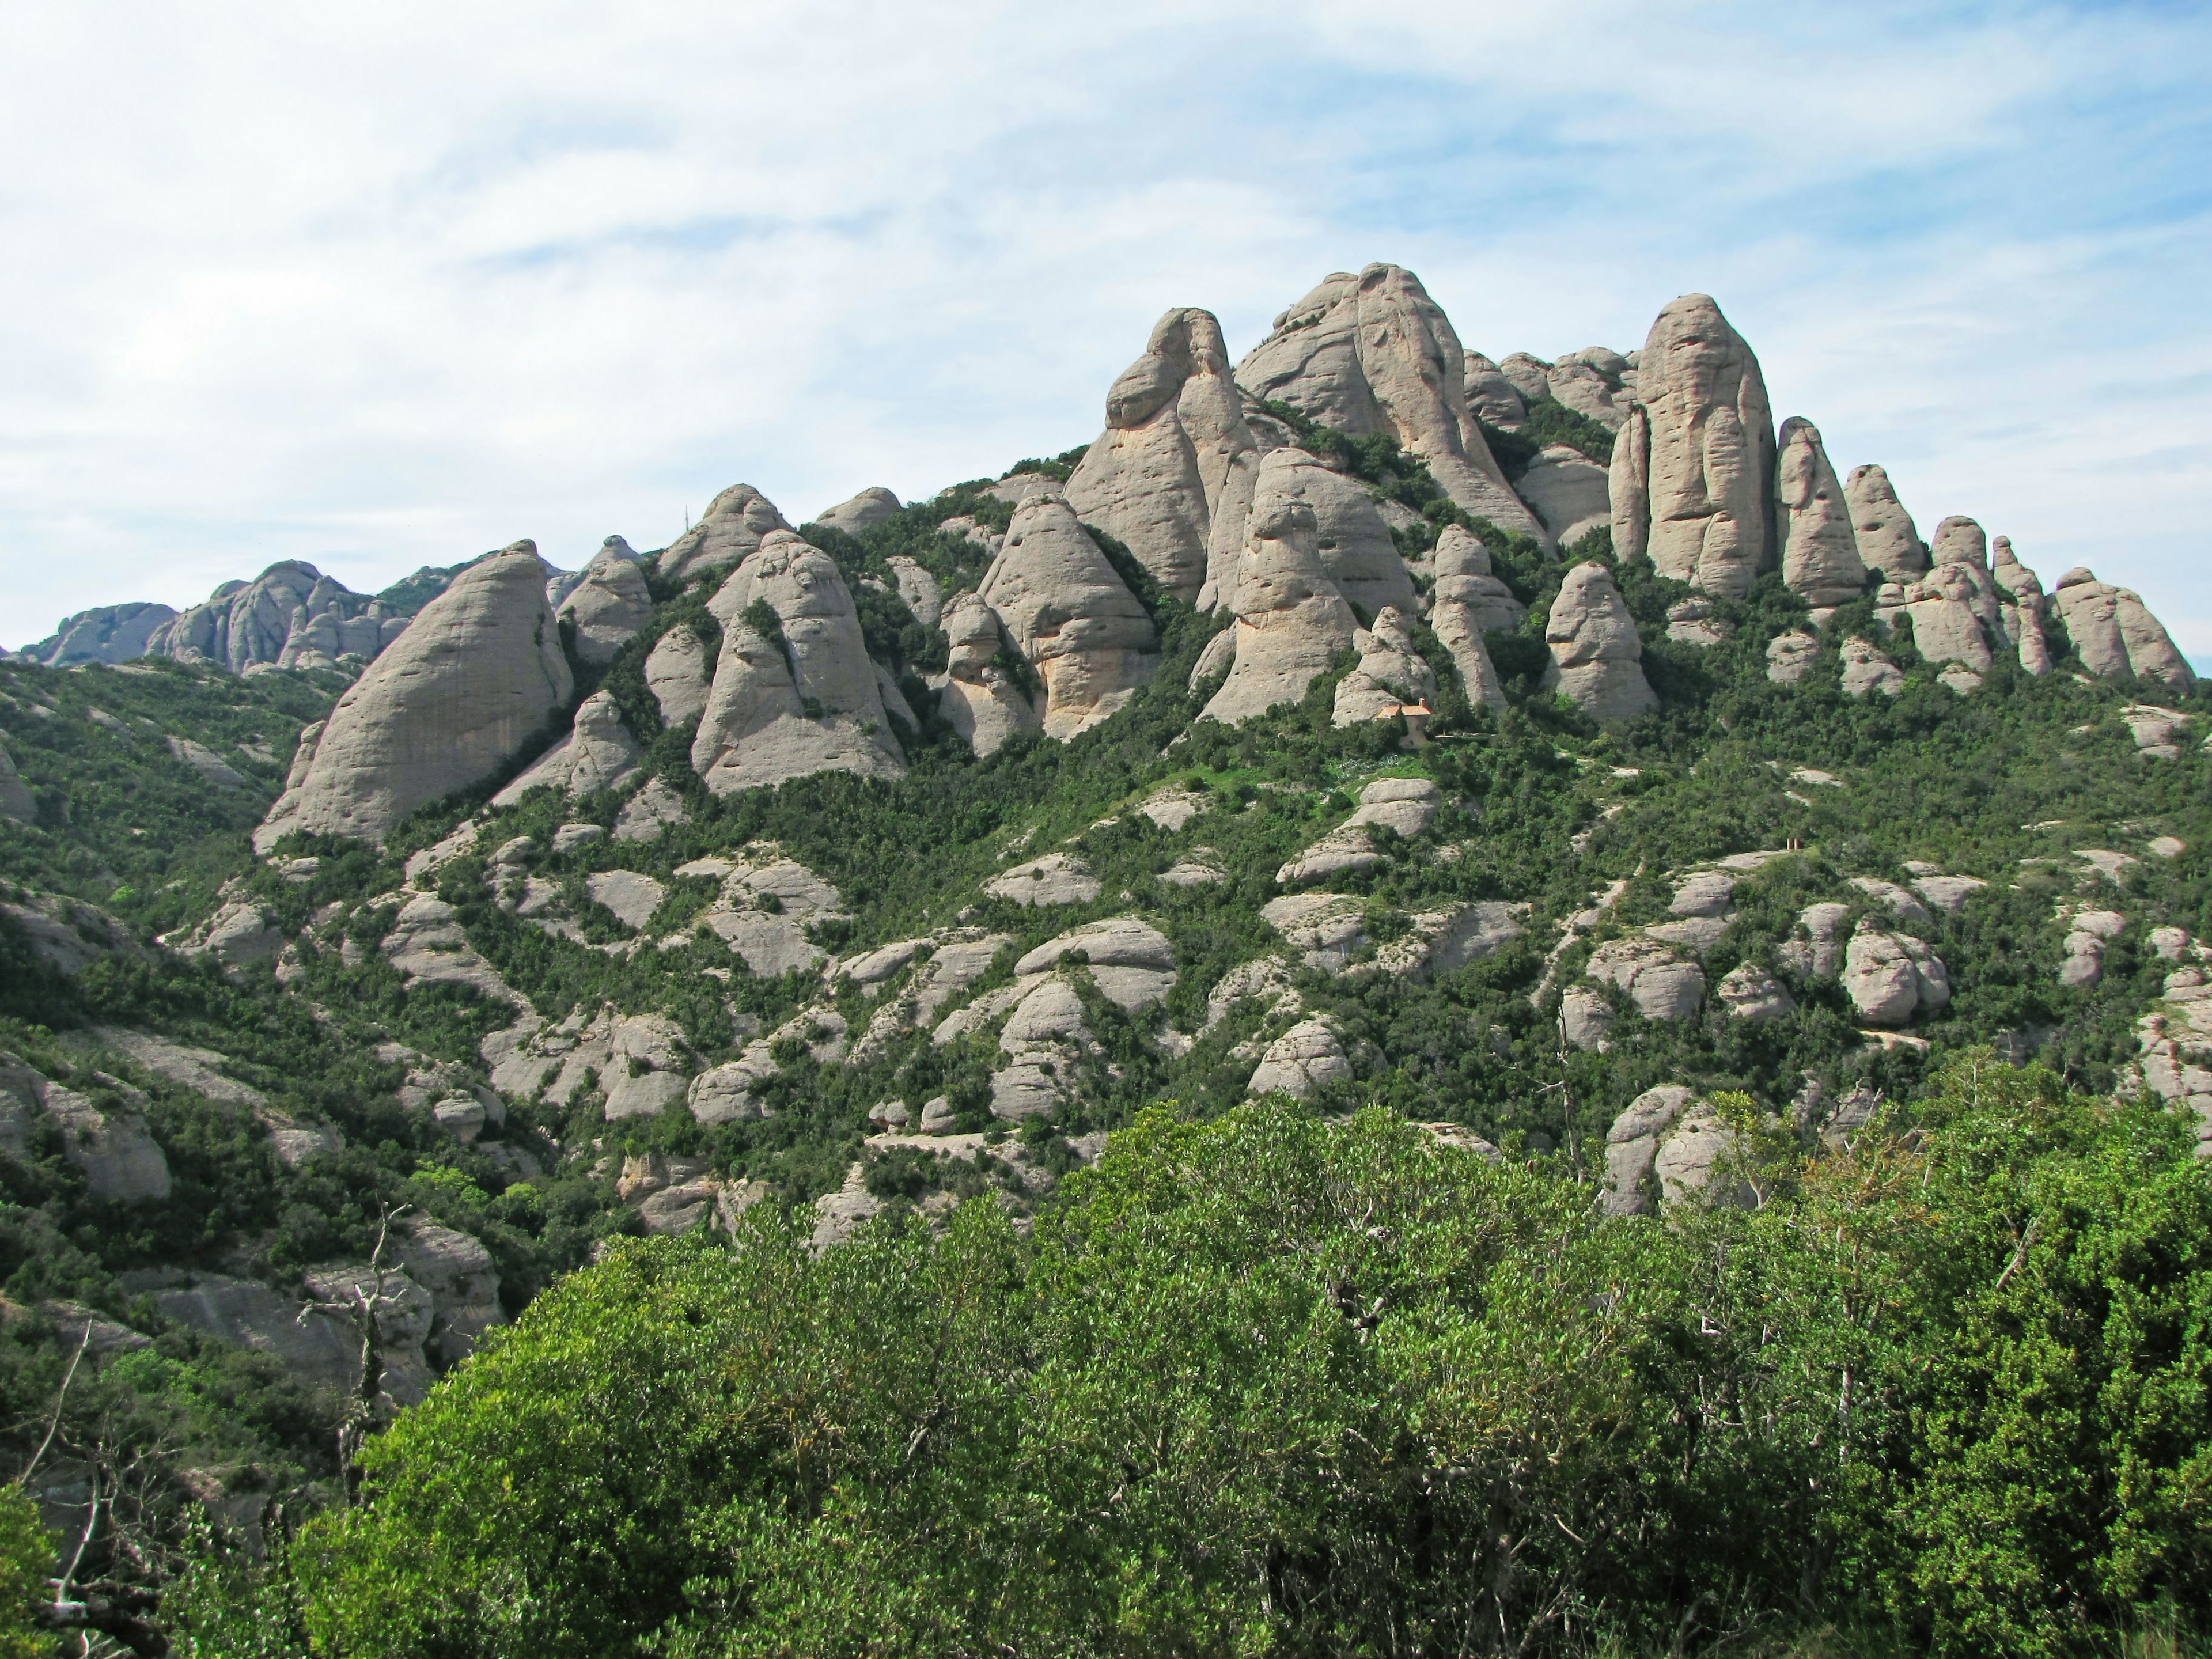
[{"x": 1277, "y": 1384}]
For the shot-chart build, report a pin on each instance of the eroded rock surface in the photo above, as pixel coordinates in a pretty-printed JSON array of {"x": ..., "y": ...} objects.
[
  {"x": 1596, "y": 656},
  {"x": 1070, "y": 616},
  {"x": 735, "y": 525},
  {"x": 1820, "y": 554}
]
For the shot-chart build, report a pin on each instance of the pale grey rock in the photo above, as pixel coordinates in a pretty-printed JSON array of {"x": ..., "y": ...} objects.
[
  {"x": 871, "y": 969},
  {"x": 114, "y": 1147},
  {"x": 1693, "y": 621},
  {"x": 1070, "y": 616},
  {"x": 810, "y": 703},
  {"x": 632, "y": 896},
  {"x": 1819, "y": 553},
  {"x": 1628, "y": 484},
  {"x": 16, "y": 801},
  {"x": 1596, "y": 657},
  {"x": 1707, "y": 438},
  {"x": 210, "y": 766},
  {"x": 1326, "y": 929},
  {"x": 1891, "y": 978},
  {"x": 1819, "y": 953},
  {"x": 1656, "y": 980},
  {"x": 1704, "y": 893},
  {"x": 1945, "y": 615},
  {"x": 1356, "y": 551},
  {"x": 1586, "y": 1019},
  {"x": 1265, "y": 977},
  {"x": 1631, "y": 1146},
  {"x": 1693, "y": 1160},
  {"x": 1569, "y": 491},
  {"x": 1529, "y": 375},
  {"x": 461, "y": 1116},
  {"x": 1900, "y": 903},
  {"x": 291, "y": 616},
  {"x": 1467, "y": 602},
  {"x": 1019, "y": 489},
  {"x": 1044, "y": 1041},
  {"x": 598, "y": 753},
  {"x": 2115, "y": 633},
  {"x": 1406, "y": 806},
  {"x": 569, "y": 837},
  {"x": 194, "y": 1068},
  {"x": 1867, "y": 671},
  {"x": 1888, "y": 543},
  {"x": 1449, "y": 940},
  {"x": 1374, "y": 353},
  {"x": 2157, "y": 731},
  {"x": 727, "y": 1093},
  {"x": 1215, "y": 659},
  {"x": 1201, "y": 869},
  {"x": 475, "y": 676},
  {"x": 1172, "y": 808},
  {"x": 2023, "y": 607},
  {"x": 1055, "y": 879},
  {"x": 1130, "y": 960},
  {"x": 679, "y": 673},
  {"x": 980, "y": 700},
  {"x": 1291, "y": 617},
  {"x": 107, "y": 634},
  {"x": 840, "y": 1214},
  {"x": 1583, "y": 387},
  {"x": 1491, "y": 397},
  {"x": 1790, "y": 657},
  {"x": 1308, "y": 1057},
  {"x": 644, "y": 1094},
  {"x": 956, "y": 966},
  {"x": 427, "y": 942},
  {"x": 923, "y": 593},
  {"x": 317, "y": 1349},
  {"x": 1948, "y": 894},
  {"x": 1749, "y": 992},
  {"x": 651, "y": 810},
  {"x": 1391, "y": 672},
  {"x": 238, "y": 935},
  {"x": 873, "y": 506},
  {"x": 68, "y": 935},
  {"x": 1960, "y": 540},
  {"x": 608, "y": 604},
  {"x": 735, "y": 525}
]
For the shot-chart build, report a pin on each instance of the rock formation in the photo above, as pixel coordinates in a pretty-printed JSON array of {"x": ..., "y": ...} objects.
[
  {"x": 735, "y": 523},
  {"x": 474, "y": 679},
  {"x": 1290, "y": 620},
  {"x": 1358, "y": 553},
  {"x": 921, "y": 591},
  {"x": 1071, "y": 617},
  {"x": 609, "y": 604},
  {"x": 1578, "y": 381},
  {"x": 598, "y": 753},
  {"x": 678, "y": 674},
  {"x": 1307, "y": 1057},
  {"x": 1596, "y": 657},
  {"x": 1491, "y": 397},
  {"x": 1692, "y": 489},
  {"x": 1891, "y": 977},
  {"x": 1176, "y": 455},
  {"x": 871, "y": 505},
  {"x": 2021, "y": 607},
  {"x": 1390, "y": 672},
  {"x": 1466, "y": 603},
  {"x": 1569, "y": 493},
  {"x": 980, "y": 699},
  {"x": 795, "y": 691},
  {"x": 16, "y": 801},
  {"x": 1374, "y": 353},
  {"x": 1888, "y": 545},
  {"x": 2114, "y": 633},
  {"x": 1865, "y": 670},
  {"x": 108, "y": 633},
  {"x": 1820, "y": 554},
  {"x": 291, "y": 616}
]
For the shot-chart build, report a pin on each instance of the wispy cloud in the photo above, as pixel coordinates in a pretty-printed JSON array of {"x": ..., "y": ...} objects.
[{"x": 379, "y": 289}]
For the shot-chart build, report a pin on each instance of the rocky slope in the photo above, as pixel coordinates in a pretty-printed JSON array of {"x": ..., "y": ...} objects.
[{"x": 885, "y": 861}]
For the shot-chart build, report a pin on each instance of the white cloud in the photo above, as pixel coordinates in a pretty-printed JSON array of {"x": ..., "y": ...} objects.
[{"x": 383, "y": 289}]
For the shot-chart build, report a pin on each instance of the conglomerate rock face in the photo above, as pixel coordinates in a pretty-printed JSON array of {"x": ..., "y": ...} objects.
[
  {"x": 1596, "y": 657},
  {"x": 1291, "y": 619},
  {"x": 1074, "y": 620}
]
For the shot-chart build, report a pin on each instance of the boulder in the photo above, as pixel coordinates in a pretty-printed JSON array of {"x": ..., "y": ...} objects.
[
  {"x": 1308, "y": 1057},
  {"x": 598, "y": 753},
  {"x": 1866, "y": 670},
  {"x": 1790, "y": 657},
  {"x": 1693, "y": 493},
  {"x": 1819, "y": 953},
  {"x": 1291, "y": 618},
  {"x": 1351, "y": 537},
  {"x": 2023, "y": 607},
  {"x": 802, "y": 699},
  {"x": 1596, "y": 657},
  {"x": 2114, "y": 633},
  {"x": 1893, "y": 977},
  {"x": 1070, "y": 616},
  {"x": 239, "y": 934},
  {"x": 1373, "y": 353},
  {"x": 1657, "y": 981},
  {"x": 463, "y": 1284},
  {"x": 1390, "y": 673},
  {"x": 291, "y": 616},
  {"x": 921, "y": 591},
  {"x": 1888, "y": 545},
  {"x": 1631, "y": 1146},
  {"x": 475, "y": 677},
  {"x": 980, "y": 699},
  {"x": 1750, "y": 991},
  {"x": 1586, "y": 1019},
  {"x": 679, "y": 673},
  {"x": 111, "y": 1145},
  {"x": 608, "y": 604},
  {"x": 1466, "y": 603},
  {"x": 1175, "y": 439},
  {"x": 1569, "y": 491},
  {"x": 1491, "y": 397},
  {"x": 107, "y": 634},
  {"x": 1055, "y": 879},
  {"x": 872, "y": 505},
  {"x": 736, "y": 522},
  {"x": 1820, "y": 554}
]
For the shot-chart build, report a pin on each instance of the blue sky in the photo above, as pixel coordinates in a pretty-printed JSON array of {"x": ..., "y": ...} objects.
[{"x": 387, "y": 288}]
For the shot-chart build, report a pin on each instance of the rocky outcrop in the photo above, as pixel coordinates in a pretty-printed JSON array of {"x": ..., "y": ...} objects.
[
  {"x": 1467, "y": 602},
  {"x": 291, "y": 616},
  {"x": 2087, "y": 932},
  {"x": 608, "y": 604},
  {"x": 2115, "y": 635},
  {"x": 1308, "y": 1057},
  {"x": 1491, "y": 396},
  {"x": 16, "y": 801},
  {"x": 1813, "y": 520},
  {"x": 1055, "y": 879},
  {"x": 1291, "y": 619},
  {"x": 1357, "y": 551},
  {"x": 1790, "y": 657},
  {"x": 980, "y": 699},
  {"x": 1866, "y": 670},
  {"x": 1070, "y": 616},
  {"x": 1749, "y": 992},
  {"x": 1692, "y": 489},
  {"x": 872, "y": 505},
  {"x": 1404, "y": 806},
  {"x": 473, "y": 679},
  {"x": 597, "y": 753},
  {"x": 735, "y": 523},
  {"x": 2021, "y": 606},
  {"x": 1892, "y": 978},
  {"x": 1175, "y": 454},
  {"x": 110, "y": 1144},
  {"x": 1570, "y": 492},
  {"x": 1670, "y": 1140},
  {"x": 1389, "y": 675},
  {"x": 1580, "y": 381},
  {"x": 108, "y": 633},
  {"x": 801, "y": 696},
  {"x": 1374, "y": 353},
  {"x": 1888, "y": 545},
  {"x": 922, "y": 593},
  {"x": 1596, "y": 657},
  {"x": 679, "y": 673}
]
